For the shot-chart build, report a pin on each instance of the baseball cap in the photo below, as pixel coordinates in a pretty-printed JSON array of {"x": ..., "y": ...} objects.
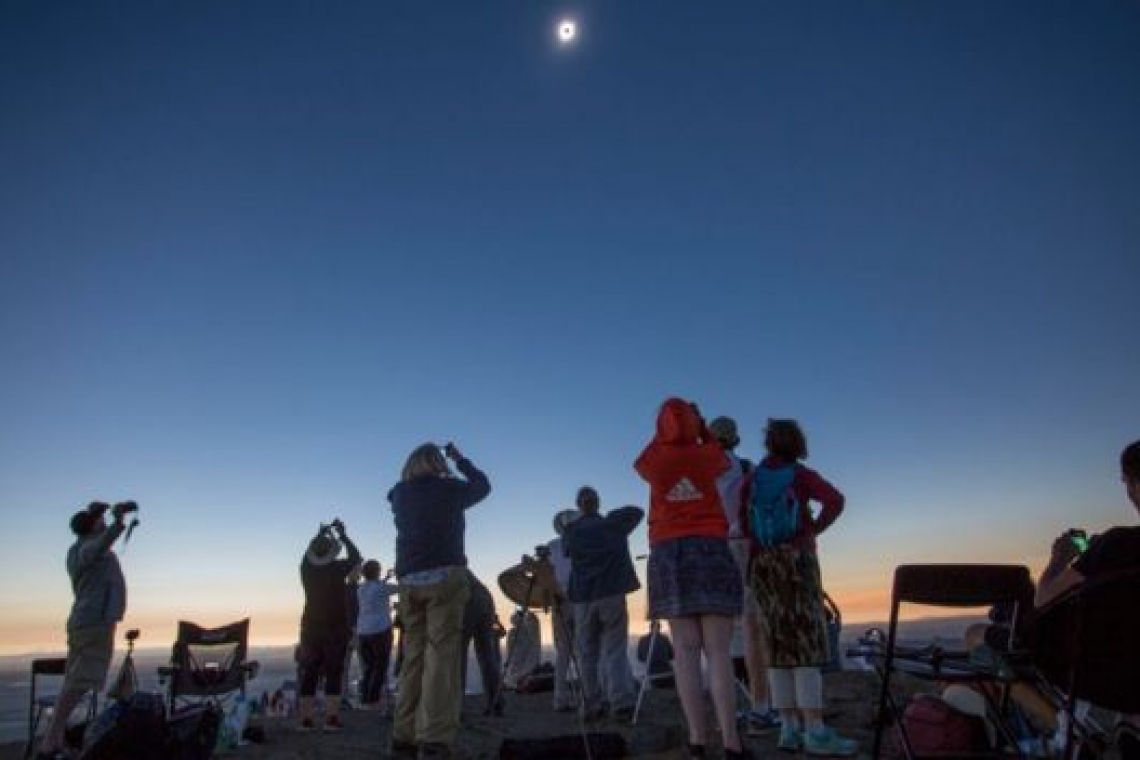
[{"x": 84, "y": 520}]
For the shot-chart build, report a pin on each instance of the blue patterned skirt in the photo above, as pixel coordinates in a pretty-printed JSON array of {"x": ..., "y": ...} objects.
[{"x": 693, "y": 576}]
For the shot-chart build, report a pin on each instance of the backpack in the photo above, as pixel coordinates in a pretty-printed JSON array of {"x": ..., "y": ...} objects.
[
  {"x": 935, "y": 727},
  {"x": 773, "y": 507},
  {"x": 130, "y": 729}
]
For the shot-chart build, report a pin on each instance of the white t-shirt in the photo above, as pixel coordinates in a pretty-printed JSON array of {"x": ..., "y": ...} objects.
[
  {"x": 561, "y": 562},
  {"x": 375, "y": 614},
  {"x": 729, "y": 485}
]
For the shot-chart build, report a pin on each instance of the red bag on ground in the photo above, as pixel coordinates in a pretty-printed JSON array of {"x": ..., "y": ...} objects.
[{"x": 935, "y": 727}]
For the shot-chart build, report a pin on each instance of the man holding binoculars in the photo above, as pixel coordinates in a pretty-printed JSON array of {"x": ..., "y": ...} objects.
[{"x": 100, "y": 602}]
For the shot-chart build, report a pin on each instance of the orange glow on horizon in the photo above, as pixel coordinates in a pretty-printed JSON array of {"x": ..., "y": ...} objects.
[{"x": 44, "y": 632}]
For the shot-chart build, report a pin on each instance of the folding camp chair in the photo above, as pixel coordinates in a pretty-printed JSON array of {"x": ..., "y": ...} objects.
[
  {"x": 208, "y": 663},
  {"x": 1085, "y": 647},
  {"x": 959, "y": 586},
  {"x": 38, "y": 703}
]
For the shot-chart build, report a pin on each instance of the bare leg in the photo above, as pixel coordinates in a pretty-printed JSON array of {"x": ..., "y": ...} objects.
[
  {"x": 755, "y": 659},
  {"x": 65, "y": 705},
  {"x": 686, "y": 634},
  {"x": 305, "y": 707},
  {"x": 715, "y": 634}
]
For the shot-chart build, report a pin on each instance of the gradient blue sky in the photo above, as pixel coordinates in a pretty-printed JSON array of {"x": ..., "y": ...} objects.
[{"x": 252, "y": 253}]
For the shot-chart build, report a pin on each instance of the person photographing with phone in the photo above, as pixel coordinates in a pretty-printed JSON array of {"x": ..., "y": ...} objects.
[
  {"x": 1076, "y": 558},
  {"x": 325, "y": 630},
  {"x": 100, "y": 591},
  {"x": 428, "y": 508}
]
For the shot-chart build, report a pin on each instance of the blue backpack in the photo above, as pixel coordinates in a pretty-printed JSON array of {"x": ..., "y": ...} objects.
[{"x": 773, "y": 508}]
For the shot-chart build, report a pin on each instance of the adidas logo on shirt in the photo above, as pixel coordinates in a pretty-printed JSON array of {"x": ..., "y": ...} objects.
[{"x": 684, "y": 491}]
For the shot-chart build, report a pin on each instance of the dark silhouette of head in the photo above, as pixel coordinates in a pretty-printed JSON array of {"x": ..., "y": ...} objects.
[
  {"x": 588, "y": 501},
  {"x": 784, "y": 438},
  {"x": 1130, "y": 472},
  {"x": 724, "y": 429},
  {"x": 371, "y": 570}
]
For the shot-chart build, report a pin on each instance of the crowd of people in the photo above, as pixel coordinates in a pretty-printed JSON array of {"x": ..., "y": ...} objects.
[{"x": 730, "y": 540}]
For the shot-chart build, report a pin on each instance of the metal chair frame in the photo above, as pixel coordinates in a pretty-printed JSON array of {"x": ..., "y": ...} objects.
[
  {"x": 949, "y": 585},
  {"x": 39, "y": 704},
  {"x": 188, "y": 679}
]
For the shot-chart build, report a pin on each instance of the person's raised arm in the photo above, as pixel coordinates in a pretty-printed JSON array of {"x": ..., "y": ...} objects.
[
  {"x": 626, "y": 518},
  {"x": 830, "y": 499},
  {"x": 92, "y": 551},
  {"x": 354, "y": 555},
  {"x": 1059, "y": 575},
  {"x": 477, "y": 486}
]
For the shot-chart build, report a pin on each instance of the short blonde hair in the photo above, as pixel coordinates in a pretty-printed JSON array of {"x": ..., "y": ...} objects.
[{"x": 425, "y": 460}]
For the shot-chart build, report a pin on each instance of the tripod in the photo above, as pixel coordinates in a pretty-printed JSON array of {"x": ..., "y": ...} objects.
[
  {"x": 127, "y": 681},
  {"x": 654, "y": 632},
  {"x": 540, "y": 593}
]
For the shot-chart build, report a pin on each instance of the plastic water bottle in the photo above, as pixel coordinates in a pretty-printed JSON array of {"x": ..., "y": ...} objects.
[{"x": 238, "y": 718}]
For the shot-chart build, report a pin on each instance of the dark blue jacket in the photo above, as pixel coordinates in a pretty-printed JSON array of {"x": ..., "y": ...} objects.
[
  {"x": 429, "y": 518},
  {"x": 600, "y": 565}
]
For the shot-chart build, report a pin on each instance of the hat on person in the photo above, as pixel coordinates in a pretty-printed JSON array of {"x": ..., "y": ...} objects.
[
  {"x": 724, "y": 428},
  {"x": 563, "y": 519},
  {"x": 83, "y": 521},
  {"x": 322, "y": 550}
]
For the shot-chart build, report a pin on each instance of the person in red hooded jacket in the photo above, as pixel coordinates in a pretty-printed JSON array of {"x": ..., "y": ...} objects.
[{"x": 693, "y": 581}]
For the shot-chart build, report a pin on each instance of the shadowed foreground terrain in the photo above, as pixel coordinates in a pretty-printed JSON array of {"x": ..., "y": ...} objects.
[{"x": 660, "y": 733}]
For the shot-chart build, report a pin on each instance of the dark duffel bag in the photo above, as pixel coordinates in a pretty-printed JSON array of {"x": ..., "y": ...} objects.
[
  {"x": 193, "y": 732},
  {"x": 129, "y": 729}
]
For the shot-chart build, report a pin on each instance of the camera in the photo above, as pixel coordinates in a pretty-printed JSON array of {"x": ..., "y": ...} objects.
[
  {"x": 132, "y": 635},
  {"x": 124, "y": 508}
]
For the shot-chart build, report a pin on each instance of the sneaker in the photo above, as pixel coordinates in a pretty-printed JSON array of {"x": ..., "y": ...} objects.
[
  {"x": 306, "y": 726},
  {"x": 824, "y": 741},
  {"x": 790, "y": 740},
  {"x": 333, "y": 724},
  {"x": 758, "y": 722}
]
